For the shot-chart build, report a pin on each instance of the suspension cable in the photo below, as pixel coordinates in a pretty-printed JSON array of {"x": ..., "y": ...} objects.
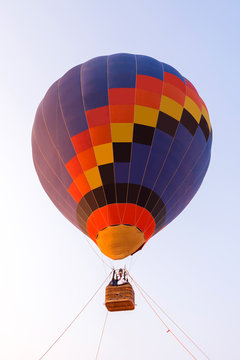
[
  {"x": 75, "y": 318},
  {"x": 177, "y": 326},
  {"x": 101, "y": 337},
  {"x": 168, "y": 330},
  {"x": 95, "y": 252}
]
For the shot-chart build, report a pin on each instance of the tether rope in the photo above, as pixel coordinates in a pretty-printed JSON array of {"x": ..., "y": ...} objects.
[
  {"x": 100, "y": 342},
  {"x": 65, "y": 330},
  {"x": 168, "y": 330},
  {"x": 177, "y": 326}
]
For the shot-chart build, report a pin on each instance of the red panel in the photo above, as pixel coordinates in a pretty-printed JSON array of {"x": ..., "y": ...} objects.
[
  {"x": 87, "y": 159},
  {"x": 81, "y": 141},
  {"x": 82, "y": 184},
  {"x": 75, "y": 193},
  {"x": 149, "y": 83},
  {"x": 174, "y": 80},
  {"x": 174, "y": 93},
  {"x": 122, "y": 113},
  {"x": 101, "y": 134},
  {"x": 74, "y": 167},
  {"x": 97, "y": 117},
  {"x": 148, "y": 98},
  {"x": 112, "y": 215},
  {"x": 121, "y": 96}
]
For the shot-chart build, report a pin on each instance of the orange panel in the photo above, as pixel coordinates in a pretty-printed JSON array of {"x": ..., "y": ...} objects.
[
  {"x": 97, "y": 117},
  {"x": 81, "y": 141},
  {"x": 122, "y": 96},
  {"x": 87, "y": 159},
  {"x": 101, "y": 134},
  {"x": 174, "y": 80},
  {"x": 74, "y": 167},
  {"x": 148, "y": 98},
  {"x": 174, "y": 93},
  {"x": 75, "y": 193},
  {"x": 82, "y": 184},
  {"x": 194, "y": 96},
  {"x": 122, "y": 113},
  {"x": 190, "y": 85},
  {"x": 149, "y": 83}
]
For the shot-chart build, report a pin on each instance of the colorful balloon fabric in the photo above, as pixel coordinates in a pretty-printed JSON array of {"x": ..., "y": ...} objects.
[{"x": 121, "y": 145}]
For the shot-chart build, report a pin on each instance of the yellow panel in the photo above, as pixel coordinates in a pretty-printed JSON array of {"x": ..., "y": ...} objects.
[
  {"x": 145, "y": 116},
  {"x": 104, "y": 153},
  {"x": 192, "y": 107},
  {"x": 93, "y": 178},
  {"x": 171, "y": 107},
  {"x": 206, "y": 115},
  {"x": 118, "y": 242},
  {"x": 122, "y": 132}
]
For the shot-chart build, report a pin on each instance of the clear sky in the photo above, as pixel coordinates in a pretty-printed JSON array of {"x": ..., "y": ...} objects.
[{"x": 47, "y": 269}]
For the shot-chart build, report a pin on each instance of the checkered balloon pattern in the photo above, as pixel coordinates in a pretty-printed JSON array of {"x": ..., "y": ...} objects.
[{"x": 121, "y": 139}]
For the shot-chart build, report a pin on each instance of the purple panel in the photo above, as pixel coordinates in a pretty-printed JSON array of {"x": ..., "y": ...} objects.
[
  {"x": 58, "y": 202},
  {"x": 42, "y": 166},
  {"x": 48, "y": 150},
  {"x": 70, "y": 97},
  {"x": 55, "y": 124}
]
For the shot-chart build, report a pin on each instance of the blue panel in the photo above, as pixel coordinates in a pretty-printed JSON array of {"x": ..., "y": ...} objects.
[
  {"x": 187, "y": 190},
  {"x": 194, "y": 152},
  {"x": 182, "y": 199},
  {"x": 160, "y": 146},
  {"x": 94, "y": 83},
  {"x": 122, "y": 71},
  {"x": 55, "y": 124},
  {"x": 171, "y": 70},
  {"x": 139, "y": 158},
  {"x": 149, "y": 66},
  {"x": 121, "y": 172},
  {"x": 180, "y": 144},
  {"x": 70, "y": 95}
]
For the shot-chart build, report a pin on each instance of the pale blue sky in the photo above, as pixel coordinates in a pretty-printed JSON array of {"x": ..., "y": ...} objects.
[{"x": 47, "y": 269}]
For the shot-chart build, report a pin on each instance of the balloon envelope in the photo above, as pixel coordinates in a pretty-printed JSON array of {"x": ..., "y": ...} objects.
[{"x": 121, "y": 145}]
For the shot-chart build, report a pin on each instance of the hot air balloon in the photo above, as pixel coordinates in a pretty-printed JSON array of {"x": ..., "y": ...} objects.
[{"x": 121, "y": 144}]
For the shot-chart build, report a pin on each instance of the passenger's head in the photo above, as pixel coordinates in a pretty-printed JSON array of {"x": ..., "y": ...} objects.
[{"x": 120, "y": 272}]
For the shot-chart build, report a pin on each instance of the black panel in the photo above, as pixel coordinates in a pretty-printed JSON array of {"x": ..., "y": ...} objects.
[
  {"x": 121, "y": 190},
  {"x": 204, "y": 126},
  {"x": 189, "y": 122},
  {"x": 167, "y": 124},
  {"x": 99, "y": 196},
  {"x": 152, "y": 201},
  {"x": 143, "y": 196},
  {"x": 143, "y": 134},
  {"x": 91, "y": 200},
  {"x": 109, "y": 190},
  {"x": 107, "y": 173},
  {"x": 81, "y": 214},
  {"x": 133, "y": 191},
  {"x": 159, "y": 210},
  {"x": 122, "y": 152},
  {"x": 85, "y": 206}
]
